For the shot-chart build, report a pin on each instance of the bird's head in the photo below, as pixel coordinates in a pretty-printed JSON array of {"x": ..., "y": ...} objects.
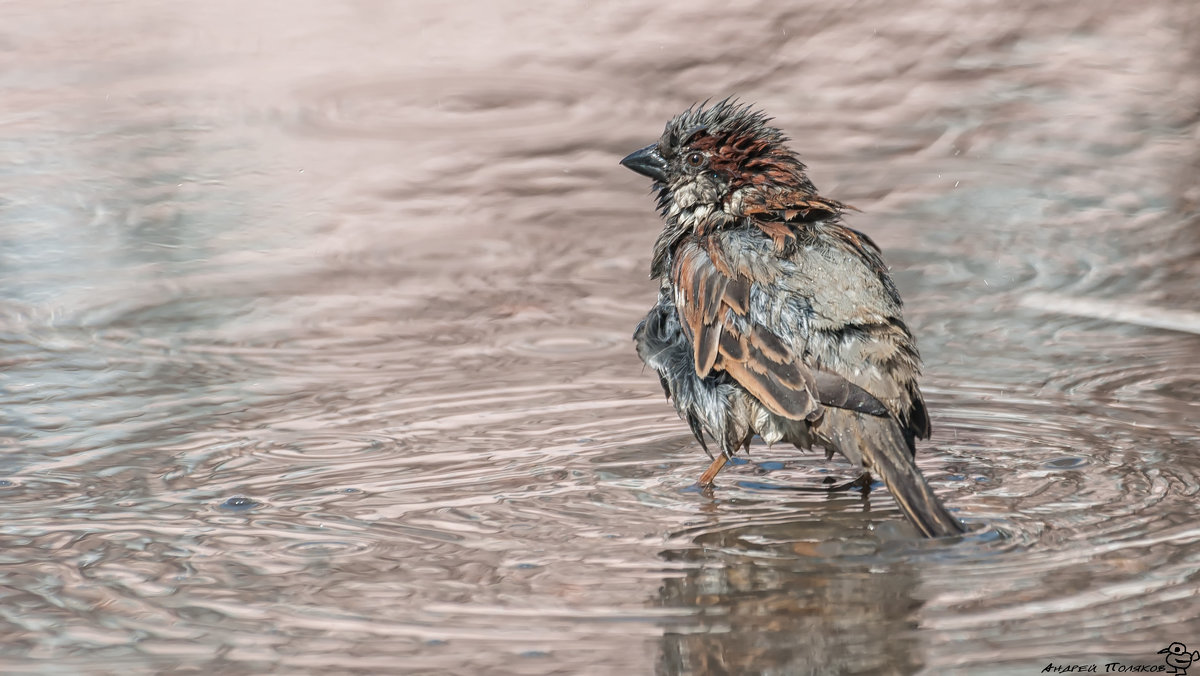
[{"x": 711, "y": 160}]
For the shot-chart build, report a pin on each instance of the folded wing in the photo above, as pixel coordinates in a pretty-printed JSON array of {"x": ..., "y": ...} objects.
[{"x": 714, "y": 307}]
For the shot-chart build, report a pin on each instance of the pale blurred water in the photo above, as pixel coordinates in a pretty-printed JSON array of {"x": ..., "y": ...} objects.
[{"x": 316, "y": 330}]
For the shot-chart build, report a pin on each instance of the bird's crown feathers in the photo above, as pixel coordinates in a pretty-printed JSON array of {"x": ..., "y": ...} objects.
[{"x": 725, "y": 121}]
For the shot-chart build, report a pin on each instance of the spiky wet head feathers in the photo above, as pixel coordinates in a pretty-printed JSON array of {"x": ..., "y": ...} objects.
[
  {"x": 732, "y": 142},
  {"x": 724, "y": 166},
  {"x": 723, "y": 120}
]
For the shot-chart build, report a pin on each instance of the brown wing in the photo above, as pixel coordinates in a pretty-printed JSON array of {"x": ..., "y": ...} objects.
[
  {"x": 776, "y": 212},
  {"x": 792, "y": 206},
  {"x": 714, "y": 304}
]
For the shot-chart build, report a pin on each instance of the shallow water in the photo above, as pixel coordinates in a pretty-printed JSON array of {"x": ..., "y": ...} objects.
[{"x": 316, "y": 331}]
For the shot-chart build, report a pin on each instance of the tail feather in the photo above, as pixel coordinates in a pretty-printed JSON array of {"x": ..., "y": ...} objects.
[{"x": 879, "y": 444}]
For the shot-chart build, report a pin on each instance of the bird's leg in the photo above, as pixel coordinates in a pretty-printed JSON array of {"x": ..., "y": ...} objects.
[
  {"x": 718, "y": 462},
  {"x": 864, "y": 482},
  {"x": 706, "y": 479}
]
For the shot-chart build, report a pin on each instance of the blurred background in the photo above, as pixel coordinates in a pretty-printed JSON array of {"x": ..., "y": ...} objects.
[{"x": 315, "y": 347}]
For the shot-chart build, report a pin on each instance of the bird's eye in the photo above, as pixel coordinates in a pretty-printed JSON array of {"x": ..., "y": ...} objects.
[{"x": 694, "y": 159}]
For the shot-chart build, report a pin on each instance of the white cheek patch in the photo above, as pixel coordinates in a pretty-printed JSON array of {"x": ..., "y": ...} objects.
[
  {"x": 694, "y": 203},
  {"x": 699, "y": 215},
  {"x": 736, "y": 206},
  {"x": 673, "y": 212},
  {"x": 685, "y": 196}
]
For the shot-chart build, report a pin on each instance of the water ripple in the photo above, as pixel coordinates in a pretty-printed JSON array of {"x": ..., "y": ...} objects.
[{"x": 316, "y": 341}]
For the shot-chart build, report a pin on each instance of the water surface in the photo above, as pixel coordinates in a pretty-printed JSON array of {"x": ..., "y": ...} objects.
[{"x": 315, "y": 322}]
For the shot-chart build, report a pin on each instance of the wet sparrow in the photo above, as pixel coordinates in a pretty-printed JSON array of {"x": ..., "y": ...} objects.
[{"x": 773, "y": 317}]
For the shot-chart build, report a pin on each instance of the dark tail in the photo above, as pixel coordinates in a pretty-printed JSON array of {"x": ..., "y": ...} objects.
[{"x": 879, "y": 444}]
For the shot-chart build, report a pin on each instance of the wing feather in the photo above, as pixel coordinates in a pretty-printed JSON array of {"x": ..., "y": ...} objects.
[
  {"x": 713, "y": 306},
  {"x": 715, "y": 309}
]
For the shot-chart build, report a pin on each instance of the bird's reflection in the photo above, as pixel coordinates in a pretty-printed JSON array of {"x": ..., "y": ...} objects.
[{"x": 815, "y": 594}]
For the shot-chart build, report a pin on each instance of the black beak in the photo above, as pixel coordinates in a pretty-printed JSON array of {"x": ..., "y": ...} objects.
[{"x": 648, "y": 162}]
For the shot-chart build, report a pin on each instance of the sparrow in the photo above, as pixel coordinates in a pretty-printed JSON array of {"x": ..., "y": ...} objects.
[{"x": 774, "y": 318}]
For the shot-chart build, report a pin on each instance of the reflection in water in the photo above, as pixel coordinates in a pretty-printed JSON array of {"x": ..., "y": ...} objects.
[
  {"x": 768, "y": 600},
  {"x": 315, "y": 340}
]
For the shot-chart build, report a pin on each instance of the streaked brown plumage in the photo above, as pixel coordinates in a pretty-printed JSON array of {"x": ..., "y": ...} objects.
[{"x": 774, "y": 318}]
